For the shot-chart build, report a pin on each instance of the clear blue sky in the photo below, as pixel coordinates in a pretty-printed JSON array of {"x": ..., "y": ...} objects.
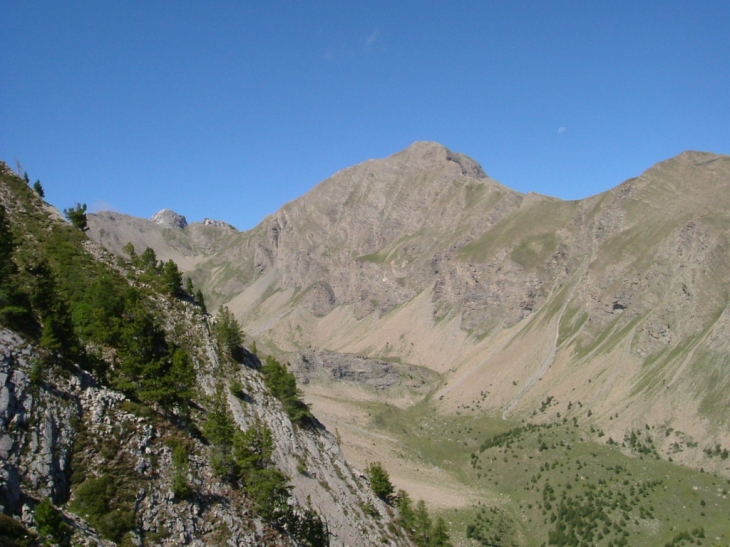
[{"x": 229, "y": 109}]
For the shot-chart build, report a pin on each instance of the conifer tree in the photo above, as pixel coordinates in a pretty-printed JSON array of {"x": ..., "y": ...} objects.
[
  {"x": 172, "y": 278},
  {"x": 129, "y": 249},
  {"x": 200, "y": 299},
  {"x": 380, "y": 481},
  {"x": 229, "y": 334},
  {"x": 405, "y": 511},
  {"x": 7, "y": 246},
  {"x": 440, "y": 534},
  {"x": 77, "y": 216},
  {"x": 283, "y": 386},
  {"x": 148, "y": 260},
  {"x": 422, "y": 525}
]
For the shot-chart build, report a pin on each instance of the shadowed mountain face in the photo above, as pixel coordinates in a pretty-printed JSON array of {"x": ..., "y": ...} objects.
[{"x": 618, "y": 301}]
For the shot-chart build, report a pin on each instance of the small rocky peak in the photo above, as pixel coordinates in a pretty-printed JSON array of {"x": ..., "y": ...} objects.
[
  {"x": 216, "y": 223},
  {"x": 169, "y": 219}
]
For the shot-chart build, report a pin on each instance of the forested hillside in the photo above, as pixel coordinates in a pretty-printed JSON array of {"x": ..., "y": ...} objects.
[{"x": 129, "y": 415}]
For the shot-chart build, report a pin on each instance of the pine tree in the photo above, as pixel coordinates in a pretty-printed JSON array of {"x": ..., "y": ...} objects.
[
  {"x": 422, "y": 525},
  {"x": 200, "y": 299},
  {"x": 219, "y": 427},
  {"x": 148, "y": 260},
  {"x": 172, "y": 278},
  {"x": 380, "y": 481},
  {"x": 129, "y": 249},
  {"x": 77, "y": 216},
  {"x": 405, "y": 511},
  {"x": 229, "y": 335},
  {"x": 51, "y": 527},
  {"x": 7, "y": 247},
  {"x": 283, "y": 386},
  {"x": 440, "y": 534}
]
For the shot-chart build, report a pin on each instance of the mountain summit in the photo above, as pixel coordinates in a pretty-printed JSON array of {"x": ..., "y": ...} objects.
[{"x": 169, "y": 219}]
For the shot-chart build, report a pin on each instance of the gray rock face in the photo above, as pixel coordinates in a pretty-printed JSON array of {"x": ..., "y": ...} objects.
[
  {"x": 36, "y": 436},
  {"x": 169, "y": 219},
  {"x": 46, "y": 424}
]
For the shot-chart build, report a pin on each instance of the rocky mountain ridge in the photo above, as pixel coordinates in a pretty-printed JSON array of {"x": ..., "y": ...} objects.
[{"x": 120, "y": 464}]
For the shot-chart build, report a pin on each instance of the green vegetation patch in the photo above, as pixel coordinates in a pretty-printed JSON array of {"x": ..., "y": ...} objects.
[
  {"x": 714, "y": 385},
  {"x": 571, "y": 322},
  {"x": 377, "y": 258},
  {"x": 530, "y": 232},
  {"x": 107, "y": 502},
  {"x": 561, "y": 483},
  {"x": 534, "y": 251},
  {"x": 14, "y": 534}
]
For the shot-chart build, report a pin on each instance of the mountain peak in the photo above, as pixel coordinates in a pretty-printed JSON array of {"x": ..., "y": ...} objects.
[
  {"x": 169, "y": 219},
  {"x": 430, "y": 151}
]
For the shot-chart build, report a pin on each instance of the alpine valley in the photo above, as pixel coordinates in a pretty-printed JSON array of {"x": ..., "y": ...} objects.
[{"x": 538, "y": 371}]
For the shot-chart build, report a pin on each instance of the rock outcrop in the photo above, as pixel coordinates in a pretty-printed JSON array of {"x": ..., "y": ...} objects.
[
  {"x": 169, "y": 219},
  {"x": 217, "y": 223}
]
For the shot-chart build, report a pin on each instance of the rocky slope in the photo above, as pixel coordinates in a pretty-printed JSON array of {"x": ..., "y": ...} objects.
[
  {"x": 618, "y": 300},
  {"x": 118, "y": 464},
  {"x": 48, "y": 428}
]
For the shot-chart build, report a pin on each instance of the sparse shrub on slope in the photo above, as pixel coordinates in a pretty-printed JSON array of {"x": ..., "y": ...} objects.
[{"x": 107, "y": 502}]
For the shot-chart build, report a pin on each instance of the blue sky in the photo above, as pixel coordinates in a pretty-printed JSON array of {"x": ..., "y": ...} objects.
[{"x": 230, "y": 109}]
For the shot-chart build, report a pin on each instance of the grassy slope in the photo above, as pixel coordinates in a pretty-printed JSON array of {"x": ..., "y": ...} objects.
[{"x": 649, "y": 499}]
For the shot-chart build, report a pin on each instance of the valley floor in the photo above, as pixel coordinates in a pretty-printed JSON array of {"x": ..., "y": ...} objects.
[{"x": 509, "y": 483}]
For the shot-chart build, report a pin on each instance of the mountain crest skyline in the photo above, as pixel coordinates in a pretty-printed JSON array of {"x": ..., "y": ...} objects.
[{"x": 423, "y": 152}]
